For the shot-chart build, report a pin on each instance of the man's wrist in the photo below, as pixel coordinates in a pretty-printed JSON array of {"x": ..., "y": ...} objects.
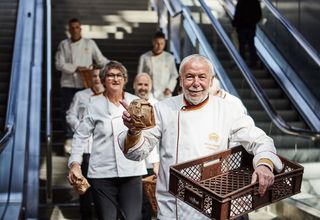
[{"x": 266, "y": 162}]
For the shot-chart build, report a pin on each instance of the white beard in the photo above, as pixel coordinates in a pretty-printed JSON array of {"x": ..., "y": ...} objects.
[{"x": 195, "y": 102}]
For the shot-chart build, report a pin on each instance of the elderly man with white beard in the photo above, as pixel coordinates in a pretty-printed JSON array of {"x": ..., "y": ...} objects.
[{"x": 184, "y": 125}]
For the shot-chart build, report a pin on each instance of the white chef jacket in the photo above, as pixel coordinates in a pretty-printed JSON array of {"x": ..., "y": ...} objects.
[
  {"x": 154, "y": 154},
  {"x": 104, "y": 121},
  {"x": 70, "y": 55},
  {"x": 162, "y": 70},
  {"x": 227, "y": 96},
  {"x": 185, "y": 133},
  {"x": 76, "y": 112}
]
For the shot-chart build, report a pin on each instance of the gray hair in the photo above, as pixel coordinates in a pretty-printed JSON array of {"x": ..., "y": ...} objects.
[
  {"x": 197, "y": 57},
  {"x": 113, "y": 65},
  {"x": 140, "y": 75}
]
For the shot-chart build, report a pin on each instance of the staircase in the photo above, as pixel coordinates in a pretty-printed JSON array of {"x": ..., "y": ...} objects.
[
  {"x": 123, "y": 31},
  {"x": 8, "y": 14}
]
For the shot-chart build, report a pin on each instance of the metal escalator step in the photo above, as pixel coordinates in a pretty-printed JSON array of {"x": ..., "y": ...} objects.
[
  {"x": 303, "y": 153},
  {"x": 227, "y": 64},
  {"x": 271, "y": 129},
  {"x": 264, "y": 83},
  {"x": 4, "y": 87},
  {"x": 261, "y": 116},
  {"x": 259, "y": 74},
  {"x": 61, "y": 212},
  {"x": 271, "y": 93},
  {"x": 278, "y": 104},
  {"x": 7, "y": 25},
  {"x": 292, "y": 142}
]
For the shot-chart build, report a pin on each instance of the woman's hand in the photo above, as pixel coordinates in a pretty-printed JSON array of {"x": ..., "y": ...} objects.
[{"x": 74, "y": 173}]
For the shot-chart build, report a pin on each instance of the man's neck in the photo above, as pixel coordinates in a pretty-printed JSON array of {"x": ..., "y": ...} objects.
[
  {"x": 189, "y": 102},
  {"x": 75, "y": 40},
  {"x": 156, "y": 54},
  {"x": 97, "y": 89}
]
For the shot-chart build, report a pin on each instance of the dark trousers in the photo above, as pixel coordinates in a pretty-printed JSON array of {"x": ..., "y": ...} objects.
[
  {"x": 146, "y": 205},
  {"x": 122, "y": 193},
  {"x": 66, "y": 99},
  {"x": 246, "y": 37},
  {"x": 86, "y": 199}
]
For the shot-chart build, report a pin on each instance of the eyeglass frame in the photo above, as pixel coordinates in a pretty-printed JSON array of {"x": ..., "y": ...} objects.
[{"x": 113, "y": 76}]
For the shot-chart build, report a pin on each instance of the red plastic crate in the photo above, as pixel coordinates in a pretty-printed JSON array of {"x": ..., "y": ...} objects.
[{"x": 219, "y": 185}]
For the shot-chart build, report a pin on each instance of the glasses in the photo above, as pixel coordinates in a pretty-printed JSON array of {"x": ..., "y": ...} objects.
[{"x": 113, "y": 76}]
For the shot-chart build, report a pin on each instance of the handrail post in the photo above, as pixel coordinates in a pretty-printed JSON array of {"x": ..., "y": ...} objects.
[{"x": 48, "y": 107}]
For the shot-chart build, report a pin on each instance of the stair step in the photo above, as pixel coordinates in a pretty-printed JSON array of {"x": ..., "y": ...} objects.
[
  {"x": 60, "y": 211},
  {"x": 271, "y": 93},
  {"x": 292, "y": 142},
  {"x": 254, "y": 104},
  {"x": 261, "y": 116},
  {"x": 4, "y": 87},
  {"x": 270, "y": 128},
  {"x": 303, "y": 153}
]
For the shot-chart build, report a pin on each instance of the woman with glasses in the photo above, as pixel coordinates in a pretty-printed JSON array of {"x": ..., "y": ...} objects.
[{"x": 115, "y": 180}]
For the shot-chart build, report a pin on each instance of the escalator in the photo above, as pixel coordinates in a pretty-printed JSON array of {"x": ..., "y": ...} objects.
[
  {"x": 8, "y": 16},
  {"x": 21, "y": 60},
  {"x": 277, "y": 96}
]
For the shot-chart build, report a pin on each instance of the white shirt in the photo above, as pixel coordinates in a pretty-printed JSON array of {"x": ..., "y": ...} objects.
[
  {"x": 70, "y": 55},
  {"x": 103, "y": 120},
  {"x": 162, "y": 70},
  {"x": 187, "y": 134},
  {"x": 76, "y": 112}
]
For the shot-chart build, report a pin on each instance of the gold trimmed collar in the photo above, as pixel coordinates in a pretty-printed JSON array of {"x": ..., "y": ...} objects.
[{"x": 190, "y": 107}]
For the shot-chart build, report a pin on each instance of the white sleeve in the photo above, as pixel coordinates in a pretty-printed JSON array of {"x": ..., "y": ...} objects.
[
  {"x": 173, "y": 75},
  {"x": 72, "y": 116},
  {"x": 97, "y": 55},
  {"x": 80, "y": 138},
  {"x": 60, "y": 61},
  {"x": 154, "y": 156},
  {"x": 140, "y": 65}
]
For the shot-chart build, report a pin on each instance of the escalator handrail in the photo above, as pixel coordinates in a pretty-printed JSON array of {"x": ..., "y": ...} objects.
[
  {"x": 293, "y": 31},
  {"x": 48, "y": 104},
  {"x": 172, "y": 11},
  {"x": 8, "y": 131},
  {"x": 262, "y": 97}
]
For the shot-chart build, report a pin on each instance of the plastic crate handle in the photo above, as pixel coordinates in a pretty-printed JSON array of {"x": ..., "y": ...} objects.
[{"x": 193, "y": 198}]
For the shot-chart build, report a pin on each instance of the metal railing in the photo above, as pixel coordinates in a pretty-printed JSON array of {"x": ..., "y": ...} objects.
[
  {"x": 48, "y": 104},
  {"x": 20, "y": 154},
  {"x": 255, "y": 86},
  {"x": 295, "y": 34},
  {"x": 20, "y": 145},
  {"x": 277, "y": 42}
]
